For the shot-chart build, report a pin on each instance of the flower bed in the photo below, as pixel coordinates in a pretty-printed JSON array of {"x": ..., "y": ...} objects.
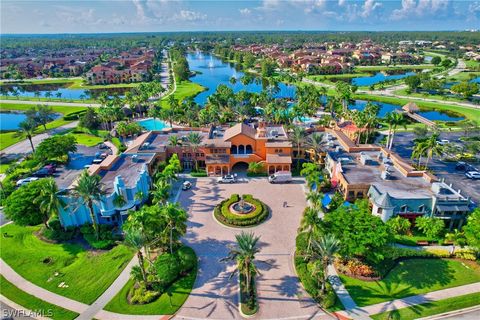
[{"x": 225, "y": 216}]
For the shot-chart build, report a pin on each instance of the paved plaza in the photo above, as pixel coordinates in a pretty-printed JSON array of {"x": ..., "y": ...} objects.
[{"x": 215, "y": 294}]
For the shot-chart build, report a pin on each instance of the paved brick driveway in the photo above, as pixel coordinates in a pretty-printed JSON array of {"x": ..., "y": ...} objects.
[{"x": 215, "y": 295}]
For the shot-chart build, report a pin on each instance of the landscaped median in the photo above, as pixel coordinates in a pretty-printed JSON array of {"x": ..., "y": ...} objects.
[
  {"x": 177, "y": 275},
  {"x": 226, "y": 213},
  {"x": 66, "y": 269}
]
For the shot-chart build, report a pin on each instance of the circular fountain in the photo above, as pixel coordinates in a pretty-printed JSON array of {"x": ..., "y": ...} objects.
[{"x": 242, "y": 207}]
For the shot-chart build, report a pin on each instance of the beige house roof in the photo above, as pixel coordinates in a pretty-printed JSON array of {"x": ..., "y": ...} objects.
[
  {"x": 216, "y": 143},
  {"x": 239, "y": 128},
  {"x": 411, "y": 107},
  {"x": 275, "y": 158},
  {"x": 284, "y": 144}
]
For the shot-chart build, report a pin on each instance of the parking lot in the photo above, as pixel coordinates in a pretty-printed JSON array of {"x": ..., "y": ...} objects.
[
  {"x": 215, "y": 295},
  {"x": 403, "y": 145},
  {"x": 65, "y": 175}
]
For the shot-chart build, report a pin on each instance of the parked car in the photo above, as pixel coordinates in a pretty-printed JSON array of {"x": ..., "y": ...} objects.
[
  {"x": 97, "y": 161},
  {"x": 186, "y": 185},
  {"x": 229, "y": 178},
  {"x": 472, "y": 175},
  {"x": 280, "y": 177},
  {"x": 50, "y": 168},
  {"x": 21, "y": 182},
  {"x": 41, "y": 173},
  {"x": 460, "y": 166},
  {"x": 443, "y": 142},
  {"x": 102, "y": 146}
]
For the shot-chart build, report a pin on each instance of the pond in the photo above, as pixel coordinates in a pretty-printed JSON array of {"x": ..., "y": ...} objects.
[
  {"x": 212, "y": 72},
  {"x": 57, "y": 91},
  {"x": 10, "y": 121},
  {"x": 379, "y": 77}
]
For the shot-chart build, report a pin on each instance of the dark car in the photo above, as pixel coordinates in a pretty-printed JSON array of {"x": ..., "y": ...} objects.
[
  {"x": 102, "y": 146},
  {"x": 42, "y": 173},
  {"x": 50, "y": 168},
  {"x": 461, "y": 166}
]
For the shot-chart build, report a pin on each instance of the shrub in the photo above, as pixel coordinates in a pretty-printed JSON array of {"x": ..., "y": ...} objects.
[
  {"x": 187, "y": 259},
  {"x": 199, "y": 174},
  {"x": 466, "y": 254},
  {"x": 167, "y": 268},
  {"x": 140, "y": 295},
  {"x": 74, "y": 115},
  {"x": 106, "y": 238},
  {"x": 57, "y": 233},
  {"x": 222, "y": 212}
]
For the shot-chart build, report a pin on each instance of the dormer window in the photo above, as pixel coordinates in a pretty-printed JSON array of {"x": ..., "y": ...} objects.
[
  {"x": 403, "y": 209},
  {"x": 421, "y": 209}
]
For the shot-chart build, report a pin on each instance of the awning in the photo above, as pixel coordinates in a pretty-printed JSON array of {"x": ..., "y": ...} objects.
[{"x": 447, "y": 208}]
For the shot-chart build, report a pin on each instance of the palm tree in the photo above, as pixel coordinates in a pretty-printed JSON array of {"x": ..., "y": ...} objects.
[
  {"x": 175, "y": 219},
  {"x": 173, "y": 140},
  {"x": 48, "y": 202},
  {"x": 457, "y": 238},
  {"x": 161, "y": 192},
  {"x": 311, "y": 224},
  {"x": 394, "y": 119},
  {"x": 195, "y": 140},
  {"x": 432, "y": 147},
  {"x": 134, "y": 239},
  {"x": 325, "y": 249},
  {"x": 27, "y": 128},
  {"x": 244, "y": 254},
  {"x": 315, "y": 199},
  {"x": 255, "y": 167},
  {"x": 89, "y": 191},
  {"x": 298, "y": 137},
  {"x": 316, "y": 143}
]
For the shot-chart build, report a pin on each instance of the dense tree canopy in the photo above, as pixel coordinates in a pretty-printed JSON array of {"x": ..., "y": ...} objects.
[{"x": 56, "y": 147}]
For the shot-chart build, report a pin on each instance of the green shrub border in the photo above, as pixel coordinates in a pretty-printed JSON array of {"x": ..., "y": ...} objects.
[{"x": 224, "y": 216}]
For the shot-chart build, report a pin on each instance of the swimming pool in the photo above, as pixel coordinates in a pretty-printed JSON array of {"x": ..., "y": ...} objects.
[{"x": 153, "y": 124}]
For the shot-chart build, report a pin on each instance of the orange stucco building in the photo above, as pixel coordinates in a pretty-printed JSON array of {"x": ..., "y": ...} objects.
[{"x": 223, "y": 149}]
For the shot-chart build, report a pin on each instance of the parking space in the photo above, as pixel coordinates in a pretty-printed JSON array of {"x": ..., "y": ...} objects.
[
  {"x": 65, "y": 175},
  {"x": 442, "y": 169},
  {"x": 214, "y": 294}
]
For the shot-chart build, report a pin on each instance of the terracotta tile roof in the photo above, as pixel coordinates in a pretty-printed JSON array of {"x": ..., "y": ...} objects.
[
  {"x": 285, "y": 144},
  {"x": 275, "y": 158},
  {"x": 239, "y": 128},
  {"x": 217, "y": 159}
]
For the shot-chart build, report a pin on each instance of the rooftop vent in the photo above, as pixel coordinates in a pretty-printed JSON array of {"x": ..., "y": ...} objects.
[
  {"x": 385, "y": 175},
  {"x": 135, "y": 158}
]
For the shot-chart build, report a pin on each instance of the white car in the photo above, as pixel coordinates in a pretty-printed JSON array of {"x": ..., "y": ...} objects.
[
  {"x": 21, "y": 182},
  {"x": 443, "y": 142},
  {"x": 473, "y": 175},
  {"x": 229, "y": 178}
]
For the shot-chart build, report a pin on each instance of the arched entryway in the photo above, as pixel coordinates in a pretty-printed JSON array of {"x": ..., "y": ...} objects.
[{"x": 240, "y": 168}]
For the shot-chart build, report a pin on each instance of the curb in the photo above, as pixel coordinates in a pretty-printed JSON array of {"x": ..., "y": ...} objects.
[{"x": 451, "y": 313}]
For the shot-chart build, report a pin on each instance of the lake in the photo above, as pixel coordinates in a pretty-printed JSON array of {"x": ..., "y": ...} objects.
[
  {"x": 9, "y": 121},
  {"x": 379, "y": 77},
  {"x": 213, "y": 72},
  {"x": 62, "y": 90}
]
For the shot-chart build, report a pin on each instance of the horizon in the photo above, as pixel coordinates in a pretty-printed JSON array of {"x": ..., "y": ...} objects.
[{"x": 150, "y": 16}]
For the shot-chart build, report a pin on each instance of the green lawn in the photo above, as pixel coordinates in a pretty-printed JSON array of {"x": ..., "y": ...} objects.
[
  {"x": 164, "y": 305},
  {"x": 33, "y": 303},
  {"x": 4, "y": 167},
  {"x": 187, "y": 89},
  {"x": 10, "y": 138},
  {"x": 470, "y": 113},
  {"x": 87, "y": 274},
  {"x": 471, "y": 64},
  {"x": 412, "y": 277},
  {"x": 87, "y": 139},
  {"x": 397, "y": 67},
  {"x": 431, "y": 308},
  {"x": 403, "y": 92},
  {"x": 72, "y": 83}
]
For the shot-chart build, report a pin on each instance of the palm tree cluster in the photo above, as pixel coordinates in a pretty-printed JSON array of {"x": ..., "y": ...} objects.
[
  {"x": 366, "y": 120},
  {"x": 427, "y": 147},
  {"x": 39, "y": 115}
]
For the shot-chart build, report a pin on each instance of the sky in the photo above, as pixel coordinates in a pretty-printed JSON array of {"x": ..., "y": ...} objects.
[{"x": 76, "y": 16}]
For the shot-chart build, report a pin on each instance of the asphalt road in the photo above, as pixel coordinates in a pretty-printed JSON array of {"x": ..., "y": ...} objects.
[{"x": 403, "y": 144}]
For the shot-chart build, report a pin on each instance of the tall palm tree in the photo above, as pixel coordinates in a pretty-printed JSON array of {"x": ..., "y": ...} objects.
[
  {"x": 27, "y": 129},
  {"x": 88, "y": 191},
  {"x": 432, "y": 147},
  {"x": 175, "y": 219},
  {"x": 244, "y": 254},
  {"x": 134, "y": 239},
  {"x": 311, "y": 224},
  {"x": 48, "y": 202},
  {"x": 194, "y": 141},
  {"x": 394, "y": 119},
  {"x": 298, "y": 137},
  {"x": 316, "y": 143},
  {"x": 161, "y": 192},
  {"x": 325, "y": 249}
]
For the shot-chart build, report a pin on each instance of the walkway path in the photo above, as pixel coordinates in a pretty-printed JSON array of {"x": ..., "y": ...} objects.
[{"x": 24, "y": 147}]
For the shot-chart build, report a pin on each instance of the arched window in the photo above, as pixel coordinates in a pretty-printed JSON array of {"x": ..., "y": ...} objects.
[
  {"x": 249, "y": 149},
  {"x": 234, "y": 149},
  {"x": 241, "y": 149}
]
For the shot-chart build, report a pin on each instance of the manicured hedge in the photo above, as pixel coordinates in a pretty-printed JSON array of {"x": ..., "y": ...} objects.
[
  {"x": 74, "y": 115},
  {"x": 222, "y": 212}
]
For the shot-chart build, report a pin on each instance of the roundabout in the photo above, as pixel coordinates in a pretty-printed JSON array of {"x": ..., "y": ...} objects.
[{"x": 241, "y": 211}]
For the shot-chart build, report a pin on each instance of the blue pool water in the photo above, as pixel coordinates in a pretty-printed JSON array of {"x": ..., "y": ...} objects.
[
  {"x": 10, "y": 121},
  {"x": 153, "y": 124},
  {"x": 379, "y": 77}
]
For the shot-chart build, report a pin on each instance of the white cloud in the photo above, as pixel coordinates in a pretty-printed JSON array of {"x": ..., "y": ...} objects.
[
  {"x": 369, "y": 8},
  {"x": 245, "y": 12},
  {"x": 410, "y": 8},
  {"x": 187, "y": 15},
  {"x": 341, "y": 3}
]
